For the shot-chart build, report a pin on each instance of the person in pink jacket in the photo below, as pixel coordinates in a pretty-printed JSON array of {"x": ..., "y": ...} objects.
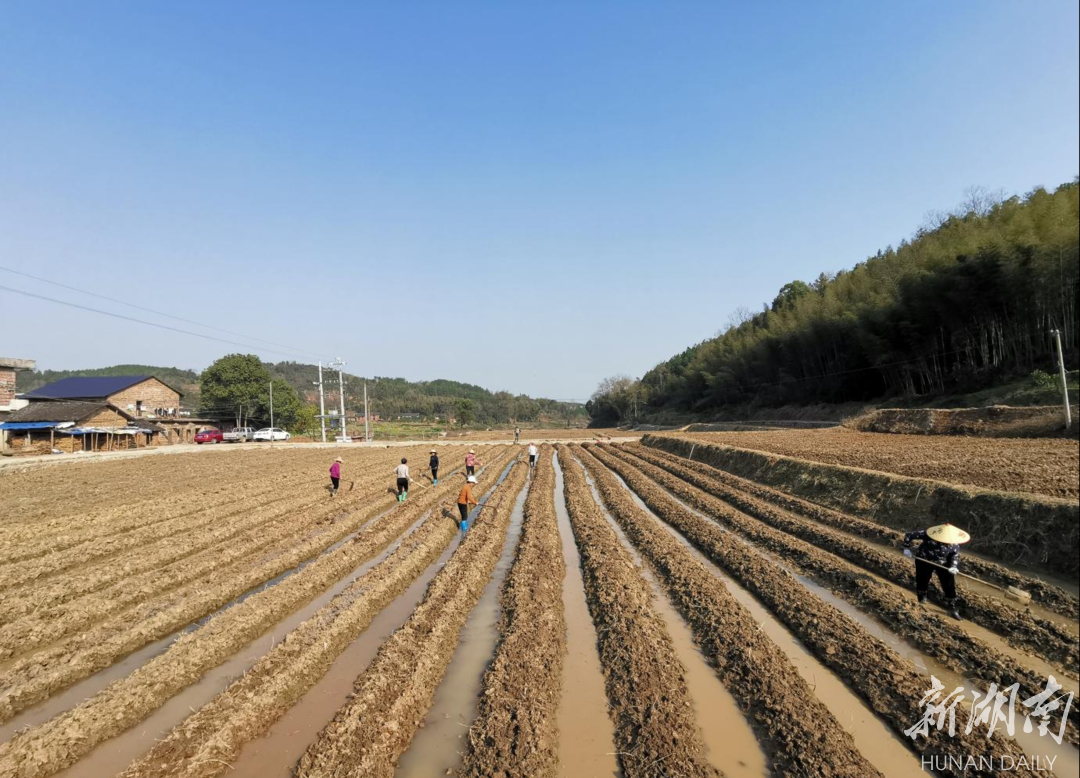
[{"x": 335, "y": 476}]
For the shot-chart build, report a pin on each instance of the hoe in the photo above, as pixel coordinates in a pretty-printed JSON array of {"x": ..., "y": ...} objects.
[{"x": 1011, "y": 592}]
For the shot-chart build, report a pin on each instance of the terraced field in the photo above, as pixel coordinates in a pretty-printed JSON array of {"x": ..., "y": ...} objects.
[{"x": 618, "y": 609}]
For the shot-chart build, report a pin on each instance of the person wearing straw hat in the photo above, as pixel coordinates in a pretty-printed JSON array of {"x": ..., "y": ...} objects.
[
  {"x": 938, "y": 551},
  {"x": 433, "y": 465},
  {"x": 471, "y": 462},
  {"x": 335, "y": 476}
]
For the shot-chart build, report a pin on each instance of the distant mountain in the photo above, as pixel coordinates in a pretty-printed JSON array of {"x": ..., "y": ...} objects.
[
  {"x": 184, "y": 381},
  {"x": 389, "y": 397}
]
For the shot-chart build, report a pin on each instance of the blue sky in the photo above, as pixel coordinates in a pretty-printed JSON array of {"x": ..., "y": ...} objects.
[{"x": 528, "y": 196}]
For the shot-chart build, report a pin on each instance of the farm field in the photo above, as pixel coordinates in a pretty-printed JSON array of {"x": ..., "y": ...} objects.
[
  {"x": 1047, "y": 466},
  {"x": 616, "y": 610}
]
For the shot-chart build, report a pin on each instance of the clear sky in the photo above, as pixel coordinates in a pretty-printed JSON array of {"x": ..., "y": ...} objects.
[{"x": 527, "y": 196}]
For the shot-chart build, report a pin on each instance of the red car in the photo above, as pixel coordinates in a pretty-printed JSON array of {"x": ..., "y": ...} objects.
[{"x": 208, "y": 436}]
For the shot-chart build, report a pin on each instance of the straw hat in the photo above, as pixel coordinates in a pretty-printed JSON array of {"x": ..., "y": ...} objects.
[
  {"x": 471, "y": 451},
  {"x": 471, "y": 479},
  {"x": 340, "y": 461},
  {"x": 432, "y": 451},
  {"x": 947, "y": 533}
]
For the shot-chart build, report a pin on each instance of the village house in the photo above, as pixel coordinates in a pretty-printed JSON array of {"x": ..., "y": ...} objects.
[
  {"x": 136, "y": 402},
  {"x": 8, "y": 368},
  {"x": 74, "y": 425}
]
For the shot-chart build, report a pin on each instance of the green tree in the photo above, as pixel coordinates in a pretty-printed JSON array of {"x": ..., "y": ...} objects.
[
  {"x": 465, "y": 411},
  {"x": 237, "y": 386},
  {"x": 307, "y": 420}
]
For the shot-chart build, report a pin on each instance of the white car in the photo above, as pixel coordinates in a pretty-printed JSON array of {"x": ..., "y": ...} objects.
[{"x": 271, "y": 433}]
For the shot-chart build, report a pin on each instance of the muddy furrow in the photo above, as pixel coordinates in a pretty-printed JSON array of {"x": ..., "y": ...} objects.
[
  {"x": 211, "y": 739},
  {"x": 515, "y": 734},
  {"x": 803, "y": 737},
  {"x": 32, "y": 678},
  {"x": 935, "y": 635},
  {"x": 656, "y": 735},
  {"x": 55, "y": 612},
  {"x": 1050, "y": 596},
  {"x": 1020, "y": 628},
  {"x": 371, "y": 732},
  {"x": 60, "y": 742},
  {"x": 891, "y": 686}
]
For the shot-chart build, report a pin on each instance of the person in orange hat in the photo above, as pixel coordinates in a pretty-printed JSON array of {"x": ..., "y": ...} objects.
[{"x": 938, "y": 552}]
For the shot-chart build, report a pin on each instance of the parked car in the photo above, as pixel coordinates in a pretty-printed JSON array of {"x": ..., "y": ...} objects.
[
  {"x": 208, "y": 436},
  {"x": 271, "y": 433},
  {"x": 239, "y": 435}
]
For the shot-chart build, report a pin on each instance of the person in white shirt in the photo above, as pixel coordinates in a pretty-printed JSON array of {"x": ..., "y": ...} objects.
[
  {"x": 402, "y": 472},
  {"x": 533, "y": 451}
]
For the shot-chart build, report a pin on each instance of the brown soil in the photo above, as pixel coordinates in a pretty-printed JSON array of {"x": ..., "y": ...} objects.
[
  {"x": 370, "y": 734},
  {"x": 211, "y": 738},
  {"x": 655, "y": 731},
  {"x": 1038, "y": 532},
  {"x": 803, "y": 737},
  {"x": 515, "y": 733},
  {"x": 938, "y": 636},
  {"x": 61, "y": 741},
  {"x": 1049, "y": 596},
  {"x": 993, "y": 421},
  {"x": 1047, "y": 639},
  {"x": 889, "y": 684},
  {"x": 1038, "y": 466}
]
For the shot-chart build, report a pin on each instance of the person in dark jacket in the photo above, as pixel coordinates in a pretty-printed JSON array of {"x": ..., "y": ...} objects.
[
  {"x": 939, "y": 547},
  {"x": 433, "y": 463}
]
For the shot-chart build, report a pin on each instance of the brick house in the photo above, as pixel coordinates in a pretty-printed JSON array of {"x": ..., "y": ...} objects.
[
  {"x": 141, "y": 397},
  {"x": 74, "y": 425},
  {"x": 8, "y": 368},
  {"x": 138, "y": 395}
]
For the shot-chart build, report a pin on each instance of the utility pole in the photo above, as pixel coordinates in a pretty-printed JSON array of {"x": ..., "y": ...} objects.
[
  {"x": 322, "y": 406},
  {"x": 1064, "y": 382},
  {"x": 271, "y": 413},
  {"x": 367, "y": 417},
  {"x": 341, "y": 386}
]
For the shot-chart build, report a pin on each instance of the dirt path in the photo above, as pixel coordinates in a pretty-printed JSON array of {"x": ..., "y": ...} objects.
[
  {"x": 515, "y": 734},
  {"x": 804, "y": 737},
  {"x": 655, "y": 731},
  {"x": 890, "y": 685},
  {"x": 368, "y": 735}
]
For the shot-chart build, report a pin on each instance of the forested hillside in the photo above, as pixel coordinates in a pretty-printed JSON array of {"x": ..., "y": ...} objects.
[
  {"x": 967, "y": 301},
  {"x": 389, "y": 397}
]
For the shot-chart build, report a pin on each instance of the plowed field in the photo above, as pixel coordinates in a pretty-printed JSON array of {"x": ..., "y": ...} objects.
[
  {"x": 634, "y": 612},
  {"x": 1047, "y": 466}
]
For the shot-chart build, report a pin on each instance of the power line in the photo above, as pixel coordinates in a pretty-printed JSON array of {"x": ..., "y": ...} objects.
[
  {"x": 159, "y": 313},
  {"x": 142, "y": 321}
]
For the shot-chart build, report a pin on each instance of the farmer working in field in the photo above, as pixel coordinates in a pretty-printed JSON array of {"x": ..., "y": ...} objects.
[
  {"x": 471, "y": 463},
  {"x": 433, "y": 464},
  {"x": 335, "y": 476},
  {"x": 464, "y": 500},
  {"x": 533, "y": 452},
  {"x": 939, "y": 552},
  {"x": 403, "y": 479}
]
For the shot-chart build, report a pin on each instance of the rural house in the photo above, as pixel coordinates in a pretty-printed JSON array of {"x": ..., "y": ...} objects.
[
  {"x": 8, "y": 368},
  {"x": 137, "y": 397},
  {"x": 74, "y": 425}
]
